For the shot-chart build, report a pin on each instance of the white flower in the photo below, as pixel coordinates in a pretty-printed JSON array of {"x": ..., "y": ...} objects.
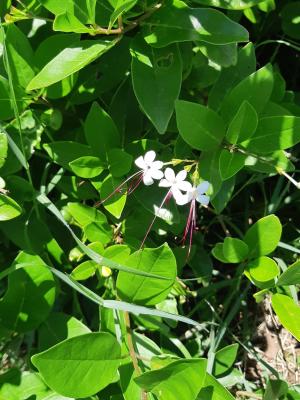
[
  {"x": 151, "y": 169},
  {"x": 195, "y": 193},
  {"x": 176, "y": 183}
]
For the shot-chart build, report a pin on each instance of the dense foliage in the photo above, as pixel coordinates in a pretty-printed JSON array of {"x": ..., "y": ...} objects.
[{"x": 149, "y": 199}]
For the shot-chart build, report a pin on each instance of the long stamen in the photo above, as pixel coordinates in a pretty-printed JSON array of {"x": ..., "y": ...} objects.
[
  {"x": 193, "y": 225},
  {"x": 118, "y": 188},
  {"x": 187, "y": 227},
  {"x": 135, "y": 184},
  {"x": 150, "y": 226}
]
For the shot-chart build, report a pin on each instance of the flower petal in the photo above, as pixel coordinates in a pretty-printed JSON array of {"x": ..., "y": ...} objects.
[
  {"x": 140, "y": 162},
  {"x": 165, "y": 183},
  {"x": 147, "y": 179},
  {"x": 203, "y": 199},
  {"x": 181, "y": 175},
  {"x": 170, "y": 175},
  {"x": 149, "y": 157},
  {"x": 203, "y": 187},
  {"x": 184, "y": 185},
  {"x": 180, "y": 198},
  {"x": 156, "y": 173},
  {"x": 157, "y": 164}
]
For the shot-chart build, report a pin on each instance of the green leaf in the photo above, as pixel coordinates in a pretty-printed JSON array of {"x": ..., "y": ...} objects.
[
  {"x": 64, "y": 152},
  {"x": 274, "y": 133},
  {"x": 3, "y": 148},
  {"x": 68, "y": 22},
  {"x": 243, "y": 124},
  {"x": 230, "y": 4},
  {"x": 141, "y": 290},
  {"x": 46, "y": 51},
  {"x": 213, "y": 390},
  {"x": 91, "y": 359},
  {"x": 224, "y": 195},
  {"x": 218, "y": 253},
  {"x": 6, "y": 108},
  {"x": 84, "y": 270},
  {"x": 84, "y": 214},
  {"x": 291, "y": 276},
  {"x": 225, "y": 358},
  {"x": 262, "y": 271},
  {"x": 199, "y": 126},
  {"x": 20, "y": 56},
  {"x": 119, "y": 162},
  {"x": 263, "y": 237},
  {"x": 288, "y": 313},
  {"x": 58, "y": 327},
  {"x": 275, "y": 389},
  {"x": 69, "y": 61},
  {"x": 84, "y": 10},
  {"x": 120, "y": 7},
  {"x": 100, "y": 132},
  {"x": 224, "y": 55},
  {"x": 115, "y": 203},
  {"x": 87, "y": 166},
  {"x": 231, "y": 76},
  {"x": 180, "y": 379},
  {"x": 156, "y": 79},
  {"x": 176, "y": 22},
  {"x": 290, "y": 19},
  {"x": 9, "y": 208},
  {"x": 30, "y": 295},
  {"x": 210, "y": 171},
  {"x": 230, "y": 163},
  {"x": 235, "y": 250},
  {"x": 256, "y": 89}
]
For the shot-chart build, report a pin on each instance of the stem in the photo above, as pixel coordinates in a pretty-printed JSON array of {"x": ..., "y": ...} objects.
[
  {"x": 242, "y": 393},
  {"x": 132, "y": 353}
]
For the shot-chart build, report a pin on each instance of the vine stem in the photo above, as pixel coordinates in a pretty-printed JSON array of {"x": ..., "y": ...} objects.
[{"x": 132, "y": 353}]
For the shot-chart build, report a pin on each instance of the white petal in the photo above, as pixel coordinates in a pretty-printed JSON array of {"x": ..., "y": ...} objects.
[
  {"x": 156, "y": 173},
  {"x": 157, "y": 164},
  {"x": 180, "y": 198},
  {"x": 170, "y": 174},
  {"x": 165, "y": 183},
  {"x": 203, "y": 199},
  {"x": 140, "y": 162},
  {"x": 181, "y": 175},
  {"x": 149, "y": 157},
  {"x": 147, "y": 179},
  {"x": 203, "y": 187},
  {"x": 184, "y": 185}
]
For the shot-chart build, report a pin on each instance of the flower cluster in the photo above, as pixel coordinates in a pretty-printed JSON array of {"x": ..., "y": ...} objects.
[{"x": 178, "y": 187}]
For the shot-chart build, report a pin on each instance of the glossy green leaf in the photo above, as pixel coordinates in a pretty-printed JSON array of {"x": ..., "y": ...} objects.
[
  {"x": 82, "y": 9},
  {"x": 275, "y": 389},
  {"x": 274, "y": 133},
  {"x": 176, "y": 22},
  {"x": 290, "y": 19},
  {"x": 100, "y": 131},
  {"x": 57, "y": 327},
  {"x": 199, "y": 126},
  {"x": 218, "y": 253},
  {"x": 288, "y": 313},
  {"x": 6, "y": 108},
  {"x": 210, "y": 171},
  {"x": 256, "y": 89},
  {"x": 263, "y": 237},
  {"x": 64, "y": 152},
  {"x": 230, "y": 4},
  {"x": 91, "y": 359},
  {"x": 225, "y": 358},
  {"x": 87, "y": 166},
  {"x": 85, "y": 270},
  {"x": 3, "y": 148},
  {"x": 230, "y": 163},
  {"x": 224, "y": 55},
  {"x": 115, "y": 203},
  {"x": 234, "y": 250},
  {"x": 180, "y": 379},
  {"x": 160, "y": 261},
  {"x": 69, "y": 61},
  {"x": 68, "y": 22},
  {"x": 243, "y": 124},
  {"x": 213, "y": 390},
  {"x": 120, "y": 7},
  {"x": 156, "y": 79},
  {"x": 119, "y": 162},
  {"x": 9, "y": 208},
  {"x": 30, "y": 295},
  {"x": 291, "y": 276},
  {"x": 262, "y": 271}
]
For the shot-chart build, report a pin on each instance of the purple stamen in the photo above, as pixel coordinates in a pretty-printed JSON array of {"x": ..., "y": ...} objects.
[{"x": 119, "y": 188}]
